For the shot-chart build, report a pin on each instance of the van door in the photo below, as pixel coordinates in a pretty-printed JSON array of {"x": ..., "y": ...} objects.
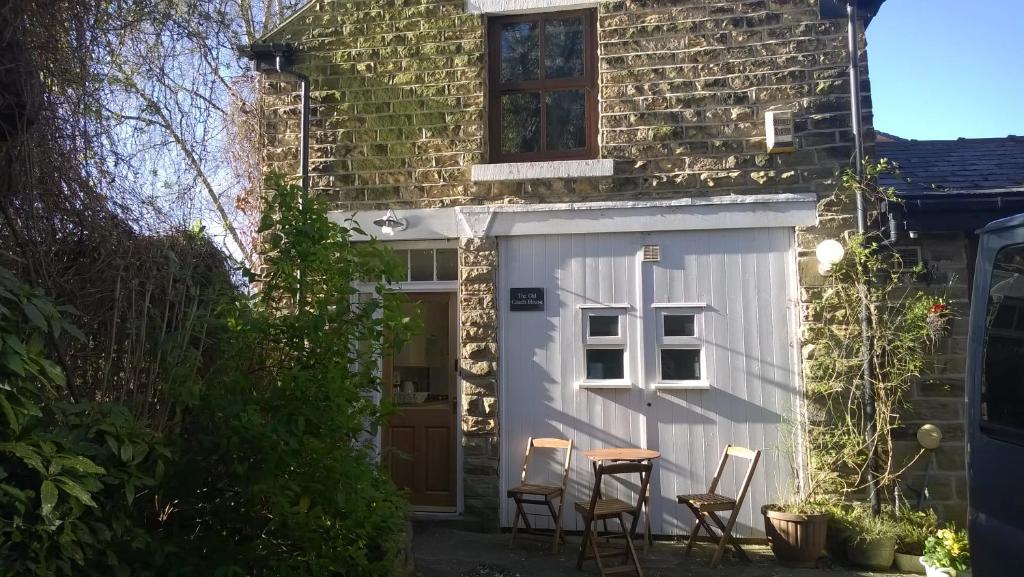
[{"x": 996, "y": 404}]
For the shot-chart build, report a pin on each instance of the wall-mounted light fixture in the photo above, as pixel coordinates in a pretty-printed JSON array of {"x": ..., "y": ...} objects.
[
  {"x": 929, "y": 437},
  {"x": 389, "y": 223},
  {"x": 829, "y": 253}
]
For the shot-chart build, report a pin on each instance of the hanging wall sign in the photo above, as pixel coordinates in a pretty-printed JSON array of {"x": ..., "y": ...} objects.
[{"x": 526, "y": 299}]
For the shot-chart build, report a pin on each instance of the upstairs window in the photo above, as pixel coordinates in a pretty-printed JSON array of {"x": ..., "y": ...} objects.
[{"x": 543, "y": 86}]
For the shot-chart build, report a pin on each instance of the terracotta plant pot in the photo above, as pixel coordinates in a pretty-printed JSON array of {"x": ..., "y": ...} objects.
[
  {"x": 908, "y": 563},
  {"x": 796, "y": 539},
  {"x": 876, "y": 554}
]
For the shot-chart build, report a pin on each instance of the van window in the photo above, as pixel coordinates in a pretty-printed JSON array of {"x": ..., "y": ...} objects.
[{"x": 1002, "y": 385}]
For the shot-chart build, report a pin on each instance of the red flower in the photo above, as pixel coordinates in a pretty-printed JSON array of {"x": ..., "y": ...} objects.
[{"x": 937, "y": 308}]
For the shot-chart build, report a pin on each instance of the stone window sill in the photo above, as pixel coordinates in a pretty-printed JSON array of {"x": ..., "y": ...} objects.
[
  {"x": 518, "y": 171},
  {"x": 525, "y": 6}
]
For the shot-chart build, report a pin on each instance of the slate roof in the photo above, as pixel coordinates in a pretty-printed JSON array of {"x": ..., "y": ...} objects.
[{"x": 967, "y": 165}]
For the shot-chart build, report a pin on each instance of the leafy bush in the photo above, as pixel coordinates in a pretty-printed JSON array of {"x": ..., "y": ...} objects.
[
  {"x": 854, "y": 522},
  {"x": 273, "y": 471},
  {"x": 277, "y": 474},
  {"x": 913, "y": 529},
  {"x": 70, "y": 474},
  {"x": 948, "y": 548}
]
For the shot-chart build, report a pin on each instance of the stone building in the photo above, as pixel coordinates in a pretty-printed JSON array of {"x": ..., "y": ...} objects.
[
  {"x": 950, "y": 189},
  {"x": 593, "y": 221}
]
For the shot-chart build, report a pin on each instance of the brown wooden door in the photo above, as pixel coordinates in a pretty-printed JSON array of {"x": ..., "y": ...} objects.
[
  {"x": 422, "y": 455},
  {"x": 419, "y": 441}
]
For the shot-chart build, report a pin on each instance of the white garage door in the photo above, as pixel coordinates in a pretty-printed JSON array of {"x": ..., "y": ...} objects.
[{"x": 683, "y": 355}]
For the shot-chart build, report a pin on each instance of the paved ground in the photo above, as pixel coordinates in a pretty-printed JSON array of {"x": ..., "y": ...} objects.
[{"x": 445, "y": 551}]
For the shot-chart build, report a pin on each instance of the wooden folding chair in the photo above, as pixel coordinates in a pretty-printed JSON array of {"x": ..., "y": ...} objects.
[
  {"x": 602, "y": 509},
  {"x": 706, "y": 506},
  {"x": 538, "y": 494}
]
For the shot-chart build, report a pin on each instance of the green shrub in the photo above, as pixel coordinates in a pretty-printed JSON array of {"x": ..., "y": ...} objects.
[
  {"x": 274, "y": 472},
  {"x": 277, "y": 474},
  {"x": 913, "y": 529},
  {"x": 948, "y": 548},
  {"x": 70, "y": 473}
]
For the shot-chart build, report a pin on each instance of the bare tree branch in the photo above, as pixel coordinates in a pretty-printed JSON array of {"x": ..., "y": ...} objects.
[{"x": 164, "y": 122}]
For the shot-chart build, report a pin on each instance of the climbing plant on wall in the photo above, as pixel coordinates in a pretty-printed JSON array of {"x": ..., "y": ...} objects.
[{"x": 904, "y": 323}]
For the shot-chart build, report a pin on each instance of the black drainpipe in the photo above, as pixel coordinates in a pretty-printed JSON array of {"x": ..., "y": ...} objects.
[
  {"x": 865, "y": 316},
  {"x": 277, "y": 58}
]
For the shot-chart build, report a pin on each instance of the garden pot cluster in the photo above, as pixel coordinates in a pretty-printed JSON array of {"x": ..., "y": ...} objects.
[{"x": 800, "y": 534}]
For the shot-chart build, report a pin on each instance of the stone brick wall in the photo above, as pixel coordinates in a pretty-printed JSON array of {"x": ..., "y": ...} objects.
[
  {"x": 938, "y": 397},
  {"x": 399, "y": 101},
  {"x": 478, "y": 361},
  {"x": 398, "y": 118}
]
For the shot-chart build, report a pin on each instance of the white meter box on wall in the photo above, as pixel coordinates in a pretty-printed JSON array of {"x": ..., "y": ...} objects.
[{"x": 778, "y": 125}]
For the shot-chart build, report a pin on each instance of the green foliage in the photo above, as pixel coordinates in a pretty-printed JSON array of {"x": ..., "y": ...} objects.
[
  {"x": 855, "y": 522},
  {"x": 868, "y": 527},
  {"x": 913, "y": 529},
  {"x": 277, "y": 474},
  {"x": 905, "y": 323},
  {"x": 801, "y": 506},
  {"x": 273, "y": 399},
  {"x": 69, "y": 473},
  {"x": 948, "y": 548}
]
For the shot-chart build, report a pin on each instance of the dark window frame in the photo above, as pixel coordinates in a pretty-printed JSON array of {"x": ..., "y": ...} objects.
[
  {"x": 587, "y": 83},
  {"x": 1009, "y": 433}
]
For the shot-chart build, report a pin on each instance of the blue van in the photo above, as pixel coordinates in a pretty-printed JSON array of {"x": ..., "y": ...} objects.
[{"x": 995, "y": 402}]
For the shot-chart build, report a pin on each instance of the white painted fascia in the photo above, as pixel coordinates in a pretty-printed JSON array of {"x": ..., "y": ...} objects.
[
  {"x": 525, "y": 6},
  {"x": 552, "y": 169},
  {"x": 710, "y": 213},
  {"x": 422, "y": 223}
]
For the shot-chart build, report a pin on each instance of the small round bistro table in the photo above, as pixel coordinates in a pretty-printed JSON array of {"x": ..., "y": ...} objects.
[{"x": 633, "y": 455}]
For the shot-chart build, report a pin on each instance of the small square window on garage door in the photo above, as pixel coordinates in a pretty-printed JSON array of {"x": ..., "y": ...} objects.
[
  {"x": 679, "y": 360},
  {"x": 604, "y": 355}
]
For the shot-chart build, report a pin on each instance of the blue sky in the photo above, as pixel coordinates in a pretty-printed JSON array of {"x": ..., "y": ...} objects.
[{"x": 941, "y": 69}]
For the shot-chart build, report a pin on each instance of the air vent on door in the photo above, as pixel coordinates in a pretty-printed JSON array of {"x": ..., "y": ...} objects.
[{"x": 652, "y": 253}]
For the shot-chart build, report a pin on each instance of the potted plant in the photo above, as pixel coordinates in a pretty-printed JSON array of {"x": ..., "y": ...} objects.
[
  {"x": 841, "y": 529},
  {"x": 796, "y": 531},
  {"x": 946, "y": 554},
  {"x": 873, "y": 542},
  {"x": 913, "y": 528}
]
